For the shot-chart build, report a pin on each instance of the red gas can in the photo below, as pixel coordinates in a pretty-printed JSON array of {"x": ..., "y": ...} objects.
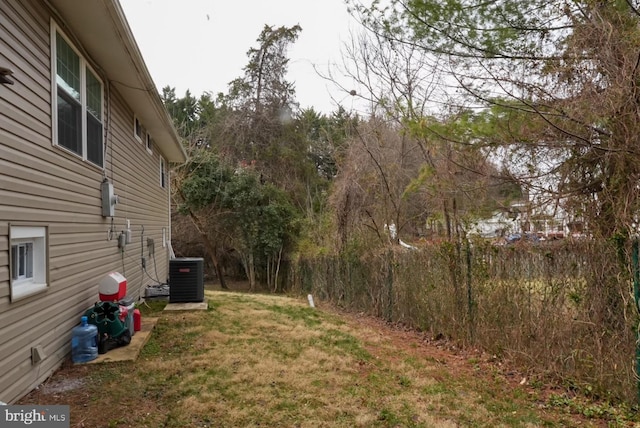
[{"x": 137, "y": 320}]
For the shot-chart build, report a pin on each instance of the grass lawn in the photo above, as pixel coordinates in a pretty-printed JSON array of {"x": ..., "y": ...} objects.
[{"x": 270, "y": 361}]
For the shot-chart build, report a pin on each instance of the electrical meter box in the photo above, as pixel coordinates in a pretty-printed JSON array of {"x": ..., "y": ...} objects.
[
  {"x": 108, "y": 199},
  {"x": 112, "y": 287}
]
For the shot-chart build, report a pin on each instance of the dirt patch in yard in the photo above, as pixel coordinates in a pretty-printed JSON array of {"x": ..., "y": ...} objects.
[{"x": 392, "y": 338}]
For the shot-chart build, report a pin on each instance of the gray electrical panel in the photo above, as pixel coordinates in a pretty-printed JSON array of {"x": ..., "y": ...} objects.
[{"x": 109, "y": 200}]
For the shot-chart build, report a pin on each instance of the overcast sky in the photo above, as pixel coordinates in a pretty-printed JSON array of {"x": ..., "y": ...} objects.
[{"x": 202, "y": 45}]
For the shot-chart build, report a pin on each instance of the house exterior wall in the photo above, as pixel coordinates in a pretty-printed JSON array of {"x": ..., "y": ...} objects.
[{"x": 44, "y": 185}]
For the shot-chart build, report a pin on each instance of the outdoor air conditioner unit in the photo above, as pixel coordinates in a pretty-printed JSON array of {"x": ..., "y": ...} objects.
[{"x": 186, "y": 280}]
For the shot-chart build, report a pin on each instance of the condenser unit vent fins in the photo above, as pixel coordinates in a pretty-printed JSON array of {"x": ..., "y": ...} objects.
[{"x": 186, "y": 280}]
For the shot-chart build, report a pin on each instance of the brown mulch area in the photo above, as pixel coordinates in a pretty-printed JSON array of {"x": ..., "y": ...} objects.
[
  {"x": 458, "y": 360},
  {"x": 465, "y": 363}
]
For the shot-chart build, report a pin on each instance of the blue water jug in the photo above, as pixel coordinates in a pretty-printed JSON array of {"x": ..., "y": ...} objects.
[{"x": 84, "y": 342}]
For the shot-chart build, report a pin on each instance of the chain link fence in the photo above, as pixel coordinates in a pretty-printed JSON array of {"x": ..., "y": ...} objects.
[{"x": 561, "y": 309}]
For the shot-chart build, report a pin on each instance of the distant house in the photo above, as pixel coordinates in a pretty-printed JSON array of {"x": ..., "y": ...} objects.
[
  {"x": 80, "y": 122},
  {"x": 500, "y": 224},
  {"x": 544, "y": 222}
]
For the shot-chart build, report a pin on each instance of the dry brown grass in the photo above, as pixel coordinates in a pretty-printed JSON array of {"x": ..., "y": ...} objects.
[{"x": 260, "y": 360}]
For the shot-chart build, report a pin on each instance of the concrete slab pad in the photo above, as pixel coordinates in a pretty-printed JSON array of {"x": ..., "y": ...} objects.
[
  {"x": 131, "y": 351},
  {"x": 189, "y": 306}
]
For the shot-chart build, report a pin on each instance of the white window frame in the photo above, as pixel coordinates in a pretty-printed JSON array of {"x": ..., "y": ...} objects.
[
  {"x": 149, "y": 144},
  {"x": 163, "y": 173},
  {"x": 138, "y": 129},
  {"x": 35, "y": 277},
  {"x": 84, "y": 65},
  {"x": 22, "y": 258}
]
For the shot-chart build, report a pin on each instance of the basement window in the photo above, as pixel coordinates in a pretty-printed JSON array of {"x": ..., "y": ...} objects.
[{"x": 27, "y": 260}]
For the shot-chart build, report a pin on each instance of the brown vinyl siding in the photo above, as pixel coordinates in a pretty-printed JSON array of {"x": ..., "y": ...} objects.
[{"x": 45, "y": 185}]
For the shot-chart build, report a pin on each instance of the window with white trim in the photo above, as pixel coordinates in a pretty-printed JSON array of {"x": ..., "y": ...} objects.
[
  {"x": 28, "y": 260},
  {"x": 22, "y": 261},
  {"x": 78, "y": 104},
  {"x": 149, "y": 143},
  {"x": 163, "y": 173},
  {"x": 138, "y": 130}
]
